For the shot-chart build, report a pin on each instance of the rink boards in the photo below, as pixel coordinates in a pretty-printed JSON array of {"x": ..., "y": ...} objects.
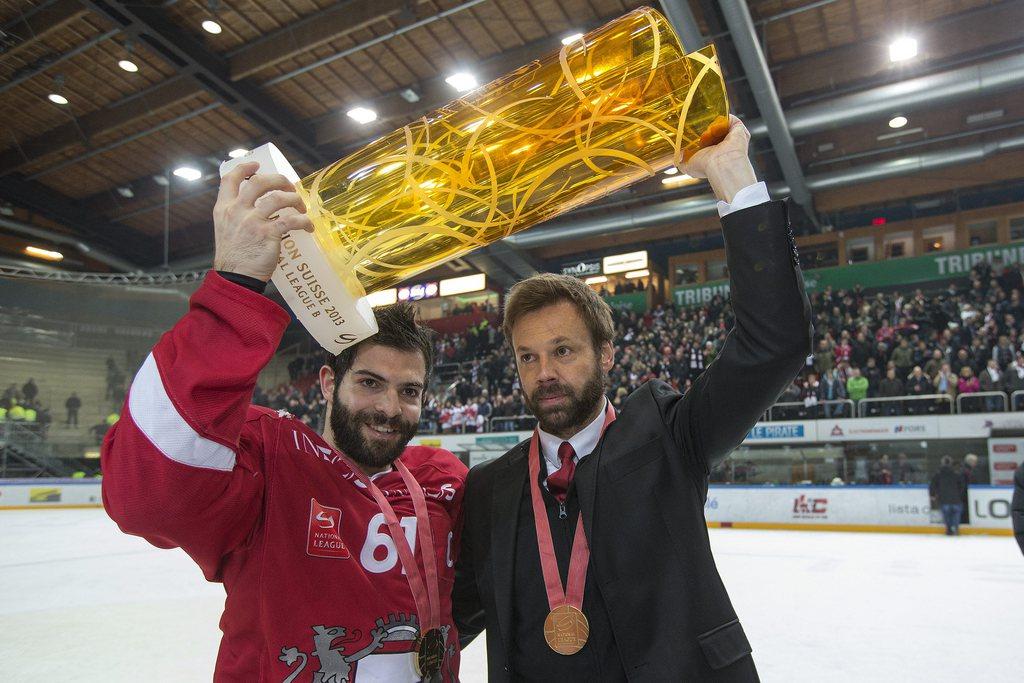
[
  {"x": 822, "y": 508},
  {"x": 27, "y": 494},
  {"x": 900, "y": 509},
  {"x": 841, "y": 508}
]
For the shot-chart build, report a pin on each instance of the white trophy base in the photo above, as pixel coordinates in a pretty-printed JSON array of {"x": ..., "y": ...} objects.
[{"x": 304, "y": 277}]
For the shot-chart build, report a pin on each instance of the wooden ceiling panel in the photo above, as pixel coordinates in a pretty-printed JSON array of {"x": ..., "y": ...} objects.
[
  {"x": 412, "y": 55},
  {"x": 845, "y": 22},
  {"x": 210, "y": 135},
  {"x": 473, "y": 23},
  {"x": 92, "y": 80},
  {"x": 242, "y": 21},
  {"x": 943, "y": 41},
  {"x": 11, "y": 11},
  {"x": 40, "y": 163},
  {"x": 523, "y": 19},
  {"x": 607, "y": 8}
]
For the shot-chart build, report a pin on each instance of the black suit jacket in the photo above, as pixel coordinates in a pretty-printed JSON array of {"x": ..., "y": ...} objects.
[{"x": 643, "y": 502}]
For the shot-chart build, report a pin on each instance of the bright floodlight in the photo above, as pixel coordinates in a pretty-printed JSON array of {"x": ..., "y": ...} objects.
[
  {"x": 897, "y": 121},
  {"x": 188, "y": 173},
  {"x": 679, "y": 179},
  {"x": 362, "y": 115},
  {"x": 902, "y": 49},
  {"x": 128, "y": 65},
  {"x": 235, "y": 153},
  {"x": 671, "y": 170},
  {"x": 45, "y": 254},
  {"x": 211, "y": 26},
  {"x": 461, "y": 81},
  {"x": 57, "y": 99},
  {"x": 572, "y": 38}
]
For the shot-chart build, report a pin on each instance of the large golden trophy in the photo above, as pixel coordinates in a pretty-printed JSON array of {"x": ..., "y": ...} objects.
[{"x": 617, "y": 105}]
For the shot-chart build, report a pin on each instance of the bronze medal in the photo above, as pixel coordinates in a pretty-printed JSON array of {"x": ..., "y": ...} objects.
[
  {"x": 566, "y": 630},
  {"x": 429, "y": 653}
]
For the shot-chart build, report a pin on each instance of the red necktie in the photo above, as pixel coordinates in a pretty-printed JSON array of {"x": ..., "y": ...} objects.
[{"x": 558, "y": 483}]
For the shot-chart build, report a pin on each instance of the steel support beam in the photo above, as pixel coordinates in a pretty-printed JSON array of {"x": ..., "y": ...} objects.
[
  {"x": 188, "y": 54},
  {"x": 680, "y": 15},
  {"x": 309, "y": 33},
  {"x": 95, "y": 254},
  {"x": 171, "y": 92},
  {"x": 696, "y": 207},
  {"x": 50, "y": 61},
  {"x": 95, "y": 151},
  {"x": 913, "y": 94},
  {"x": 744, "y": 38},
  {"x": 41, "y": 21},
  {"x": 64, "y": 210}
]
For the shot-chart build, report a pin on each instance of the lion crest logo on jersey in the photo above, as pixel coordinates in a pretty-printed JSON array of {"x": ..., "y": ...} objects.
[{"x": 388, "y": 652}]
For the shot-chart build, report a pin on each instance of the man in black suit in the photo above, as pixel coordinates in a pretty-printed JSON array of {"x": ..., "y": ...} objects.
[
  {"x": 631, "y": 592},
  {"x": 1017, "y": 506}
]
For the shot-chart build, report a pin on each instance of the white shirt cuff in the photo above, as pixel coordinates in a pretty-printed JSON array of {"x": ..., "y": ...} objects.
[{"x": 749, "y": 196}]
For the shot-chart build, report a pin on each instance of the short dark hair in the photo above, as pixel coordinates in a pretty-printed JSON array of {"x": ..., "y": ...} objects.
[
  {"x": 540, "y": 291},
  {"x": 397, "y": 329}
]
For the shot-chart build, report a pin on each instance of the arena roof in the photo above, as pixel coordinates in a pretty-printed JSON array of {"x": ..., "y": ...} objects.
[{"x": 89, "y": 172}]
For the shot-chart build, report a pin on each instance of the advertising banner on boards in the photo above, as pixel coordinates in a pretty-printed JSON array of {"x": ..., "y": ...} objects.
[{"x": 1004, "y": 455}]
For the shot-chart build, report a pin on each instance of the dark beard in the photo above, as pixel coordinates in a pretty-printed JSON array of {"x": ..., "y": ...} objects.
[
  {"x": 348, "y": 437},
  {"x": 579, "y": 411}
]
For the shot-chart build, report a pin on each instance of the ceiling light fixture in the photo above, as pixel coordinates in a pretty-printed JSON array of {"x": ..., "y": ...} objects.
[
  {"x": 211, "y": 26},
  {"x": 671, "y": 170},
  {"x": 679, "y": 179},
  {"x": 362, "y": 115},
  {"x": 189, "y": 173},
  {"x": 128, "y": 65},
  {"x": 126, "y": 192},
  {"x": 897, "y": 121},
  {"x": 902, "y": 49},
  {"x": 57, "y": 96},
  {"x": 596, "y": 280},
  {"x": 462, "y": 81},
  {"x": 235, "y": 153},
  {"x": 571, "y": 38},
  {"x": 45, "y": 254}
]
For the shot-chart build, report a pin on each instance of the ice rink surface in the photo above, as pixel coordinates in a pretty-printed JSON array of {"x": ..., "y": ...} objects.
[{"x": 79, "y": 601}]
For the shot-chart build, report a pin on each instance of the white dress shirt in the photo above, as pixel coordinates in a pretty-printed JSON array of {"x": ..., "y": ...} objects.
[
  {"x": 749, "y": 196},
  {"x": 583, "y": 442}
]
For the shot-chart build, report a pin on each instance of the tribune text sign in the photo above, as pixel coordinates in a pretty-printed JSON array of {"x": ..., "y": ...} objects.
[{"x": 903, "y": 271}]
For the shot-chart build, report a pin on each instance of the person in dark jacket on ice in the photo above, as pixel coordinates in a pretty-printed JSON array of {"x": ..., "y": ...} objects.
[
  {"x": 947, "y": 490},
  {"x": 1017, "y": 506}
]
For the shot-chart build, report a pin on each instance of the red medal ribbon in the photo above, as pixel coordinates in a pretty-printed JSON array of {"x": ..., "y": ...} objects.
[
  {"x": 426, "y": 594},
  {"x": 579, "y": 560}
]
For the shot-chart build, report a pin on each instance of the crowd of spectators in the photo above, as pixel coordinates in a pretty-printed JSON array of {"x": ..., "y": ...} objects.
[
  {"x": 21, "y": 405},
  {"x": 954, "y": 342},
  {"x": 960, "y": 339}
]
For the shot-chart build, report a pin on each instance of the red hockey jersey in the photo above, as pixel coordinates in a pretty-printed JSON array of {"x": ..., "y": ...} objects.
[{"x": 315, "y": 588}]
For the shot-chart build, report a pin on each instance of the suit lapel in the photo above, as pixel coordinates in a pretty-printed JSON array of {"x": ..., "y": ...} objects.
[
  {"x": 586, "y": 481},
  {"x": 506, "y": 495}
]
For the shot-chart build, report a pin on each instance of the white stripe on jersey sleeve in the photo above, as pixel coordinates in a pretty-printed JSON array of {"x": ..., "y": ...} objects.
[{"x": 155, "y": 415}]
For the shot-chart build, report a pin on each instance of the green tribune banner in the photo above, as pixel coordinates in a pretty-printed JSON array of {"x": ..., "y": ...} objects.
[
  {"x": 634, "y": 301},
  {"x": 902, "y": 271}
]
